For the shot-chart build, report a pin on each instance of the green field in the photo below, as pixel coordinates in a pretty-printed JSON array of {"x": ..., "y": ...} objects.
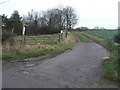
[
  {"x": 103, "y": 37},
  {"x": 105, "y": 34},
  {"x": 81, "y": 37}
]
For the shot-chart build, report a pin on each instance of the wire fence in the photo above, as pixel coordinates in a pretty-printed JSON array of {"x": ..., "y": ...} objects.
[{"x": 42, "y": 39}]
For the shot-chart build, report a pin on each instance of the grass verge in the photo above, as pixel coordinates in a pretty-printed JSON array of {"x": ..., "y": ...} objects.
[
  {"x": 111, "y": 69},
  {"x": 38, "y": 50},
  {"x": 82, "y": 38}
]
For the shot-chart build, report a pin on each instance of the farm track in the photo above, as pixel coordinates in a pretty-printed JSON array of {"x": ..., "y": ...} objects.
[{"x": 80, "y": 67}]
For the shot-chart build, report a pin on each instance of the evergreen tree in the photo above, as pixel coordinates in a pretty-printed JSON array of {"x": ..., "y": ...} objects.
[{"x": 16, "y": 23}]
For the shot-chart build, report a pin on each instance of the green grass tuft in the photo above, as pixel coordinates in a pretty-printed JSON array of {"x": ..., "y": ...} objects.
[
  {"x": 57, "y": 48},
  {"x": 111, "y": 67},
  {"x": 82, "y": 38}
]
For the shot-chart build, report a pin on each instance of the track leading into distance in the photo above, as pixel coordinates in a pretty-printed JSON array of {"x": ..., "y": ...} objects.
[{"x": 80, "y": 67}]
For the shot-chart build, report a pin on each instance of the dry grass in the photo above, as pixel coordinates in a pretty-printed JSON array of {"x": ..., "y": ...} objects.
[
  {"x": 93, "y": 37},
  {"x": 38, "y": 47}
]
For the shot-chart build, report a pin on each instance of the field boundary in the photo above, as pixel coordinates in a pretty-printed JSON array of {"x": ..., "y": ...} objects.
[
  {"x": 96, "y": 41},
  {"x": 91, "y": 39},
  {"x": 44, "y": 53},
  {"x": 39, "y": 58},
  {"x": 112, "y": 60}
]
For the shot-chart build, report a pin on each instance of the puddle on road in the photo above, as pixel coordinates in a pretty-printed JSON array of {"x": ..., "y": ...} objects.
[
  {"x": 104, "y": 58},
  {"x": 25, "y": 72},
  {"x": 24, "y": 68},
  {"x": 30, "y": 65},
  {"x": 27, "y": 65}
]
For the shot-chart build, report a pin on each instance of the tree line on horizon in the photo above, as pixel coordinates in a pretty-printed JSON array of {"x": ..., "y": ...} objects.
[{"x": 44, "y": 22}]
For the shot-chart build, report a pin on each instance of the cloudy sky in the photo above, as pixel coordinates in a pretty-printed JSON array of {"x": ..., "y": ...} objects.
[{"x": 91, "y": 13}]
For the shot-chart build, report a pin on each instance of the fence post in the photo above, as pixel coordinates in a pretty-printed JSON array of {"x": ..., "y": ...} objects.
[
  {"x": 44, "y": 38},
  {"x": 66, "y": 33},
  {"x": 1, "y": 52},
  {"x": 0, "y": 31},
  {"x": 60, "y": 37},
  {"x": 23, "y": 35}
]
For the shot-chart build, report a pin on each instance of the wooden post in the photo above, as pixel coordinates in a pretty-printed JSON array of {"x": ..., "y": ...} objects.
[
  {"x": 118, "y": 18},
  {"x": 0, "y": 52},
  {"x": 23, "y": 35},
  {"x": 44, "y": 39},
  {"x": 60, "y": 37},
  {"x": 66, "y": 33},
  {"x": 0, "y": 31},
  {"x": 12, "y": 30}
]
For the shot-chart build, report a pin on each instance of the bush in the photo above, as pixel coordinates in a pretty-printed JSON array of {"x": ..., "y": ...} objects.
[
  {"x": 111, "y": 68},
  {"x": 117, "y": 38},
  {"x": 7, "y": 37}
]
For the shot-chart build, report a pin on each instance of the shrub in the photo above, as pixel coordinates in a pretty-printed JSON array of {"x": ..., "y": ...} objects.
[
  {"x": 117, "y": 38},
  {"x": 7, "y": 37},
  {"x": 111, "y": 68}
]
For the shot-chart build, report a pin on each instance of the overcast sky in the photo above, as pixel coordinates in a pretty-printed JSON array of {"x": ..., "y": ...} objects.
[{"x": 91, "y": 13}]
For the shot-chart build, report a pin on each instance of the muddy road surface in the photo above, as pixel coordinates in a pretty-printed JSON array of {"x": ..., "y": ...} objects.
[{"x": 80, "y": 67}]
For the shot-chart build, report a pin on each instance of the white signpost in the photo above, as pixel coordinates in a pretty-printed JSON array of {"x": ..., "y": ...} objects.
[
  {"x": 63, "y": 34},
  {"x": 23, "y": 30},
  {"x": 61, "y": 31},
  {"x": 23, "y": 34}
]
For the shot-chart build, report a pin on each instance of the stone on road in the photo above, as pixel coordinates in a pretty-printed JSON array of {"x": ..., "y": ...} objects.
[{"x": 80, "y": 67}]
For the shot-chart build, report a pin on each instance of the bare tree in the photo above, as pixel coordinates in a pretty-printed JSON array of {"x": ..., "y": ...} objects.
[
  {"x": 71, "y": 17},
  {"x": 52, "y": 20},
  {"x": 102, "y": 28},
  {"x": 96, "y": 28}
]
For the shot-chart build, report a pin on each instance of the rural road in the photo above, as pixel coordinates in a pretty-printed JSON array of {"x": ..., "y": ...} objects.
[{"x": 80, "y": 67}]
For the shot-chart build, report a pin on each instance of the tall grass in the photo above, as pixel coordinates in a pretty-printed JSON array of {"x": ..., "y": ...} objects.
[
  {"x": 82, "y": 38},
  {"x": 28, "y": 51},
  {"x": 111, "y": 68}
]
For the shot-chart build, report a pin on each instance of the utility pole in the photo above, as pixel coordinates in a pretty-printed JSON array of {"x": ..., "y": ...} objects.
[
  {"x": 0, "y": 30},
  {"x": 66, "y": 33},
  {"x": 118, "y": 49},
  {"x": 0, "y": 52}
]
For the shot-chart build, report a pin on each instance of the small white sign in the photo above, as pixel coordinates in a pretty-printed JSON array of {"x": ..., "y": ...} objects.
[
  {"x": 23, "y": 30},
  {"x": 61, "y": 31}
]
